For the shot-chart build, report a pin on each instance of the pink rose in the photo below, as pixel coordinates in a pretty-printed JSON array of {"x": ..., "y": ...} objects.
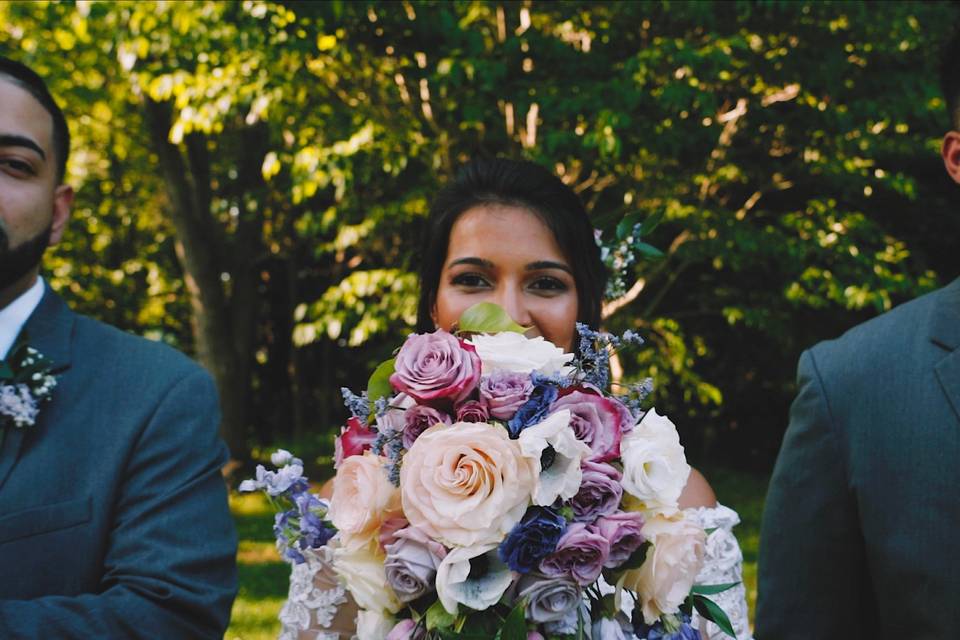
[
  {"x": 436, "y": 368},
  {"x": 596, "y": 420},
  {"x": 580, "y": 554},
  {"x": 354, "y": 439},
  {"x": 504, "y": 392},
  {"x": 363, "y": 499},
  {"x": 624, "y": 530},
  {"x": 407, "y": 629},
  {"x": 466, "y": 484},
  {"x": 418, "y": 419},
  {"x": 472, "y": 411}
]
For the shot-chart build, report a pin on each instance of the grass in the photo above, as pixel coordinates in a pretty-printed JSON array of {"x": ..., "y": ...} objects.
[{"x": 263, "y": 575}]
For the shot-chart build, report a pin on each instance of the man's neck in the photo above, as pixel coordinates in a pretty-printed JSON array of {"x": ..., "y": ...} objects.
[{"x": 18, "y": 288}]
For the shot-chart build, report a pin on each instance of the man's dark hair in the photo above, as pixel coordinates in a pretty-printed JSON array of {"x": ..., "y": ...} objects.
[
  {"x": 521, "y": 184},
  {"x": 28, "y": 80},
  {"x": 950, "y": 78}
]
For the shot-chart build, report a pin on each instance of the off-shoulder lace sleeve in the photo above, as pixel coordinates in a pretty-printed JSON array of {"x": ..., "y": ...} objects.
[
  {"x": 723, "y": 563},
  {"x": 317, "y": 607}
]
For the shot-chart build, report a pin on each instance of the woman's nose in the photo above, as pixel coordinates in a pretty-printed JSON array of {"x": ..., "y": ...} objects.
[{"x": 512, "y": 301}]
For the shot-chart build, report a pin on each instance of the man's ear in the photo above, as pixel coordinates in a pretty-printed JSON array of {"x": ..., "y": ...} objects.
[
  {"x": 62, "y": 202},
  {"x": 950, "y": 152}
]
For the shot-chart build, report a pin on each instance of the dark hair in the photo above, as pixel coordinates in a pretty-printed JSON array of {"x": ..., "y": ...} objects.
[
  {"x": 521, "y": 184},
  {"x": 950, "y": 78},
  {"x": 27, "y": 79}
]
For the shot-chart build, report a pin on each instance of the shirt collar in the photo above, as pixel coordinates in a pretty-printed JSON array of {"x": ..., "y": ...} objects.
[{"x": 15, "y": 315}]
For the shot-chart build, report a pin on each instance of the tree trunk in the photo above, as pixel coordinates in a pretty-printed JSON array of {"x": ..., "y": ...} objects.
[{"x": 198, "y": 248}]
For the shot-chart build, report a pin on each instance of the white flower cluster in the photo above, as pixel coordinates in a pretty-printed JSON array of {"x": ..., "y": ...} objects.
[{"x": 18, "y": 404}]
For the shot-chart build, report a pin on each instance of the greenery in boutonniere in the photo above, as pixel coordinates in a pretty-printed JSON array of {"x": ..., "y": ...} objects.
[{"x": 25, "y": 383}]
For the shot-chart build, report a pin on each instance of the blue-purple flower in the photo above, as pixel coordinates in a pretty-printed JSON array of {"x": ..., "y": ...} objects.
[
  {"x": 532, "y": 539},
  {"x": 534, "y": 410}
]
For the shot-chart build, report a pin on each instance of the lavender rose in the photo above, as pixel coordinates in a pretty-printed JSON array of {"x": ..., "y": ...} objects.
[
  {"x": 418, "y": 419},
  {"x": 472, "y": 411},
  {"x": 624, "y": 531},
  {"x": 581, "y": 553},
  {"x": 596, "y": 420},
  {"x": 504, "y": 392},
  {"x": 411, "y": 563},
  {"x": 600, "y": 491},
  {"x": 436, "y": 368},
  {"x": 548, "y": 599}
]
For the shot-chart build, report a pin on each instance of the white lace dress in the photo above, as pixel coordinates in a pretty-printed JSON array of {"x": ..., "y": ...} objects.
[{"x": 319, "y": 608}]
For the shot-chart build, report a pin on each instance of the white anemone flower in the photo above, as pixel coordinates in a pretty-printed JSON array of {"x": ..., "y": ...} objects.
[
  {"x": 562, "y": 476},
  {"x": 480, "y": 590}
]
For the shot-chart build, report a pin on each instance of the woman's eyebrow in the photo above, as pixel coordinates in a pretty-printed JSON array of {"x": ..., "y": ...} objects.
[
  {"x": 14, "y": 140},
  {"x": 477, "y": 262},
  {"x": 548, "y": 264}
]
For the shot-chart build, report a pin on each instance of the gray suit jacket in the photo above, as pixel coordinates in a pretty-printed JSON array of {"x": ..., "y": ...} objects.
[
  {"x": 113, "y": 514},
  {"x": 861, "y": 530}
]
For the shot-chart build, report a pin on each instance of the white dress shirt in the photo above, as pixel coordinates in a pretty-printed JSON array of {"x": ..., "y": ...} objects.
[{"x": 15, "y": 314}]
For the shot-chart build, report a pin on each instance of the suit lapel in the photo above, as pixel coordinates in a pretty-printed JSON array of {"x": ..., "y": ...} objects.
[
  {"x": 49, "y": 330},
  {"x": 945, "y": 333}
]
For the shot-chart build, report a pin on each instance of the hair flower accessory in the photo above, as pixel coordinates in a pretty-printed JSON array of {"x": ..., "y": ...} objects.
[{"x": 25, "y": 383}]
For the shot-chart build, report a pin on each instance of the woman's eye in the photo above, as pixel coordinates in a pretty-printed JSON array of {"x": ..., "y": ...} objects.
[
  {"x": 472, "y": 280},
  {"x": 547, "y": 283}
]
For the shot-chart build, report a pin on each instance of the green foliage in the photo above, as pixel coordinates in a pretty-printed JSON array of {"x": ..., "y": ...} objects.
[
  {"x": 487, "y": 317},
  {"x": 781, "y": 157}
]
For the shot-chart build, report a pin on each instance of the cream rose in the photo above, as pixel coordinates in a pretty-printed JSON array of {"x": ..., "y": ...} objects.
[
  {"x": 363, "y": 573},
  {"x": 509, "y": 351},
  {"x": 666, "y": 576},
  {"x": 466, "y": 484},
  {"x": 363, "y": 498},
  {"x": 655, "y": 469},
  {"x": 374, "y": 625}
]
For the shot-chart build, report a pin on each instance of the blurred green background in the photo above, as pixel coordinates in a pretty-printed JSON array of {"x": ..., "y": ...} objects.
[{"x": 253, "y": 177}]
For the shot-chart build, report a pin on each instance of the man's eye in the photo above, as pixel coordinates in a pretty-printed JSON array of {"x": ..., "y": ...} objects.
[
  {"x": 469, "y": 280},
  {"x": 17, "y": 166}
]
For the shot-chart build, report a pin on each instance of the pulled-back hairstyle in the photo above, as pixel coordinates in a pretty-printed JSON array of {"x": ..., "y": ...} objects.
[
  {"x": 523, "y": 184},
  {"x": 28, "y": 80},
  {"x": 950, "y": 78}
]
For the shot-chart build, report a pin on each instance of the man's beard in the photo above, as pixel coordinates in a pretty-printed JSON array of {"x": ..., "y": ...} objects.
[{"x": 18, "y": 261}]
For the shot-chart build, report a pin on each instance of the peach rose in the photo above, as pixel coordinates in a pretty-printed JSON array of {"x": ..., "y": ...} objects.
[
  {"x": 363, "y": 499},
  {"x": 466, "y": 484},
  {"x": 672, "y": 564}
]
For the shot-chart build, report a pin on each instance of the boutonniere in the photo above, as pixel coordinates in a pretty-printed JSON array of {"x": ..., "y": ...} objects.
[{"x": 25, "y": 383}]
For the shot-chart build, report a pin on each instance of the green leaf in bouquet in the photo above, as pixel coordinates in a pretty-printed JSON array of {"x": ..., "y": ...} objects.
[
  {"x": 635, "y": 561},
  {"x": 487, "y": 317},
  {"x": 648, "y": 250},
  {"x": 711, "y": 589},
  {"x": 625, "y": 228},
  {"x": 439, "y": 618},
  {"x": 651, "y": 223},
  {"x": 515, "y": 625},
  {"x": 379, "y": 384},
  {"x": 709, "y": 610}
]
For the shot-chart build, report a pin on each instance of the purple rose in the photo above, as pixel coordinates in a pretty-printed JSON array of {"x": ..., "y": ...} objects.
[
  {"x": 407, "y": 629},
  {"x": 436, "y": 368},
  {"x": 595, "y": 420},
  {"x": 411, "y": 563},
  {"x": 418, "y": 419},
  {"x": 504, "y": 392},
  {"x": 580, "y": 554},
  {"x": 623, "y": 530},
  {"x": 548, "y": 599},
  {"x": 472, "y": 411},
  {"x": 600, "y": 491}
]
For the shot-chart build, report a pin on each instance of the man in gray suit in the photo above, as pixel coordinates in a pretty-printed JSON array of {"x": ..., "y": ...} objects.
[
  {"x": 861, "y": 531},
  {"x": 113, "y": 514}
]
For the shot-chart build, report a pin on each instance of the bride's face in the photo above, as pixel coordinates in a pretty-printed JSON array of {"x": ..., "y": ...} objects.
[{"x": 507, "y": 255}]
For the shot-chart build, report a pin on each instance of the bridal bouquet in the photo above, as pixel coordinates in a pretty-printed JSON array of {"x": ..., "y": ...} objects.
[{"x": 488, "y": 487}]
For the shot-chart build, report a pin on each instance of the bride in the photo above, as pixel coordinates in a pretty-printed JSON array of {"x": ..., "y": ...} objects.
[{"x": 511, "y": 233}]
